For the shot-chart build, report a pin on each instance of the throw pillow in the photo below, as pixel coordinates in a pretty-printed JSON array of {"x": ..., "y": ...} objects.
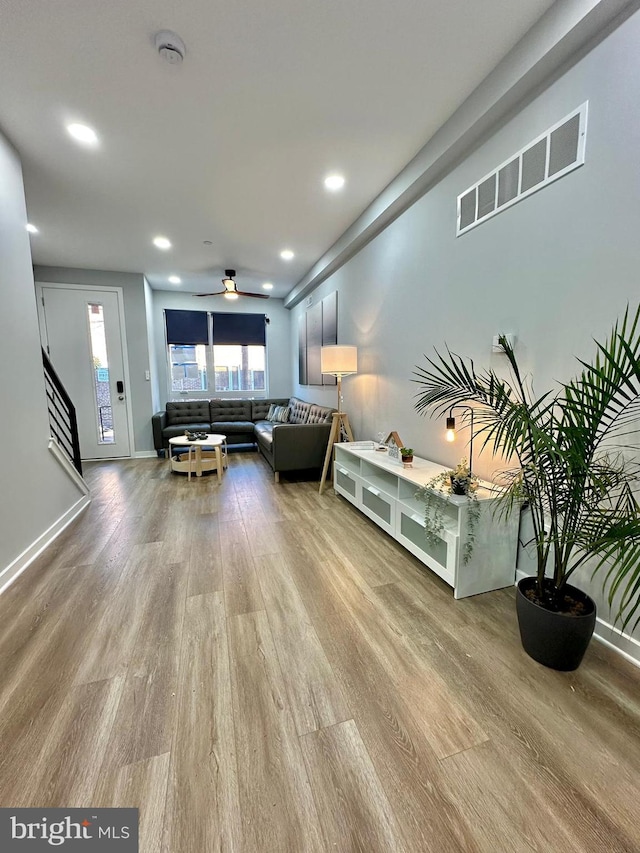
[
  {"x": 280, "y": 415},
  {"x": 271, "y": 412}
]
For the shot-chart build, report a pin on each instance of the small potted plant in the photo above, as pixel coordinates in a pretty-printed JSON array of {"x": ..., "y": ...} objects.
[
  {"x": 462, "y": 480},
  {"x": 407, "y": 456},
  {"x": 434, "y": 494}
]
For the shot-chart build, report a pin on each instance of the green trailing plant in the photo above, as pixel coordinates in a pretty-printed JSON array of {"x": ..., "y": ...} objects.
[
  {"x": 577, "y": 455},
  {"x": 434, "y": 495}
]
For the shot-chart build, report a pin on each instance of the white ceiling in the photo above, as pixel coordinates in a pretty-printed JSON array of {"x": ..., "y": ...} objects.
[{"x": 231, "y": 146}]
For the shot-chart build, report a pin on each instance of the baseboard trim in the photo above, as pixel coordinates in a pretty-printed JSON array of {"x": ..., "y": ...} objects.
[
  {"x": 145, "y": 454},
  {"x": 22, "y": 561},
  {"x": 609, "y": 635},
  {"x": 68, "y": 466}
]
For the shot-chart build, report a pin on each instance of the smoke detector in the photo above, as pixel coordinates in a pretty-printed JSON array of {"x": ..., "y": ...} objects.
[{"x": 170, "y": 47}]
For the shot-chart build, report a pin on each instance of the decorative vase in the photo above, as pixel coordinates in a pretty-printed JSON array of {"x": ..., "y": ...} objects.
[{"x": 554, "y": 639}]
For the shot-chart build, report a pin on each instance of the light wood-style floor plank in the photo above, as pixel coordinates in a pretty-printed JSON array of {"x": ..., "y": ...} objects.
[
  {"x": 277, "y": 806},
  {"x": 315, "y": 697},
  {"x": 203, "y": 809},
  {"x": 66, "y": 771},
  {"x": 205, "y": 558},
  {"x": 241, "y": 588},
  {"x": 355, "y": 814},
  {"x": 141, "y": 786}
]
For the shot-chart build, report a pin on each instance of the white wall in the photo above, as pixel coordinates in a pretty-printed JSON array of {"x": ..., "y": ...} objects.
[
  {"x": 133, "y": 289},
  {"x": 35, "y": 492},
  {"x": 278, "y": 335},
  {"x": 556, "y": 269}
]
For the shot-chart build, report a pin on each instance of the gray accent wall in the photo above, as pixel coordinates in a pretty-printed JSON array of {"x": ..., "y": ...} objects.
[
  {"x": 556, "y": 269},
  {"x": 35, "y": 492},
  {"x": 133, "y": 288}
]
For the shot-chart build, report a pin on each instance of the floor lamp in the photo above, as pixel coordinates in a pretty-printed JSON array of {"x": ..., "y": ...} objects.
[{"x": 339, "y": 361}]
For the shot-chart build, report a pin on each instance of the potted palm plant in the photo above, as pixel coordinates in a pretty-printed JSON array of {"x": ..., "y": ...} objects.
[{"x": 577, "y": 471}]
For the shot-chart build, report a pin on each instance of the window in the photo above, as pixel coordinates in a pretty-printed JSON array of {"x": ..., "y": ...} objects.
[
  {"x": 239, "y": 368},
  {"x": 188, "y": 367},
  {"x": 215, "y": 353}
]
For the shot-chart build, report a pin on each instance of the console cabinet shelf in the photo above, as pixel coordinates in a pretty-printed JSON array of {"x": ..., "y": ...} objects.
[{"x": 384, "y": 491}]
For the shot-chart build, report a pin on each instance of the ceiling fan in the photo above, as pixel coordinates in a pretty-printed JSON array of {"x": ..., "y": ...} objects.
[{"x": 231, "y": 289}]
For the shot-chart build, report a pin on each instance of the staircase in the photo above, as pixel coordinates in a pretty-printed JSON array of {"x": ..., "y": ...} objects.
[{"x": 62, "y": 415}]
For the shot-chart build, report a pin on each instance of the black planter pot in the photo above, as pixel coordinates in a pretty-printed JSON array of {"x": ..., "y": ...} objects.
[{"x": 557, "y": 640}]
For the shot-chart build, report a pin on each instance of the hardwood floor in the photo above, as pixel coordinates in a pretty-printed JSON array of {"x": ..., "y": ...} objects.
[{"x": 259, "y": 669}]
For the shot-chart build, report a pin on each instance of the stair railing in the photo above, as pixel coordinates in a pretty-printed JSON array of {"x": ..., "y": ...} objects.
[{"x": 62, "y": 414}]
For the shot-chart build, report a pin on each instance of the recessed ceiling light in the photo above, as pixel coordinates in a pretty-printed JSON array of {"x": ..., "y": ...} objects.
[
  {"x": 286, "y": 254},
  {"x": 267, "y": 286},
  {"x": 334, "y": 182},
  {"x": 31, "y": 228},
  {"x": 161, "y": 243},
  {"x": 83, "y": 133},
  {"x": 175, "y": 279}
]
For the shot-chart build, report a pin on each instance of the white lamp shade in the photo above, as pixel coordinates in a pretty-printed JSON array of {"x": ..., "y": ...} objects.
[{"x": 339, "y": 360}]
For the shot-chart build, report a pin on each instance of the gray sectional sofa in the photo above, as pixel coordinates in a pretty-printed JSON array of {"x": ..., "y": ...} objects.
[{"x": 297, "y": 445}]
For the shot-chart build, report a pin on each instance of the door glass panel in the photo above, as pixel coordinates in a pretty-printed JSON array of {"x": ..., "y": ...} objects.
[{"x": 101, "y": 384}]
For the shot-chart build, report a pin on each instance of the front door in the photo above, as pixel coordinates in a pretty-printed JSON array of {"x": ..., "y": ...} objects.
[{"x": 81, "y": 330}]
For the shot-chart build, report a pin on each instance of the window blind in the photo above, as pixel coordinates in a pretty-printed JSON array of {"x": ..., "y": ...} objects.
[
  {"x": 239, "y": 329},
  {"x": 186, "y": 327}
]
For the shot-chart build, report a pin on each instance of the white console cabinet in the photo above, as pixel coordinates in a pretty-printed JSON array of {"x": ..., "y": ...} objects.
[{"x": 384, "y": 491}]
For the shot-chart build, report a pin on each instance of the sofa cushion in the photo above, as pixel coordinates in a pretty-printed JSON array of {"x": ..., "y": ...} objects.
[
  {"x": 260, "y": 408},
  {"x": 279, "y": 414},
  {"x": 232, "y": 427},
  {"x": 299, "y": 411},
  {"x": 320, "y": 414},
  {"x": 264, "y": 432},
  {"x": 230, "y": 410},
  {"x": 188, "y": 412},
  {"x": 179, "y": 429}
]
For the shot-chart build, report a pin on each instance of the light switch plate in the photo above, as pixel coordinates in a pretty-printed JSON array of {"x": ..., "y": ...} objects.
[{"x": 511, "y": 339}]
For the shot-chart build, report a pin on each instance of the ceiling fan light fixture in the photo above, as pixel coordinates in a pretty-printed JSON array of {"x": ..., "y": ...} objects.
[{"x": 231, "y": 289}]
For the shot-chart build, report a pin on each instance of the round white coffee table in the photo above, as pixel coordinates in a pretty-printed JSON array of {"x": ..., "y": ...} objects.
[{"x": 205, "y": 454}]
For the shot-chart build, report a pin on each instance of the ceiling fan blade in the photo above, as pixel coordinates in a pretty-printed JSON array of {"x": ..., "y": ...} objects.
[
  {"x": 218, "y": 293},
  {"x": 253, "y": 295}
]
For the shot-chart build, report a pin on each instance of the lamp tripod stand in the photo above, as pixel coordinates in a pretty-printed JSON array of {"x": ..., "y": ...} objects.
[
  {"x": 340, "y": 428},
  {"x": 338, "y": 361}
]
